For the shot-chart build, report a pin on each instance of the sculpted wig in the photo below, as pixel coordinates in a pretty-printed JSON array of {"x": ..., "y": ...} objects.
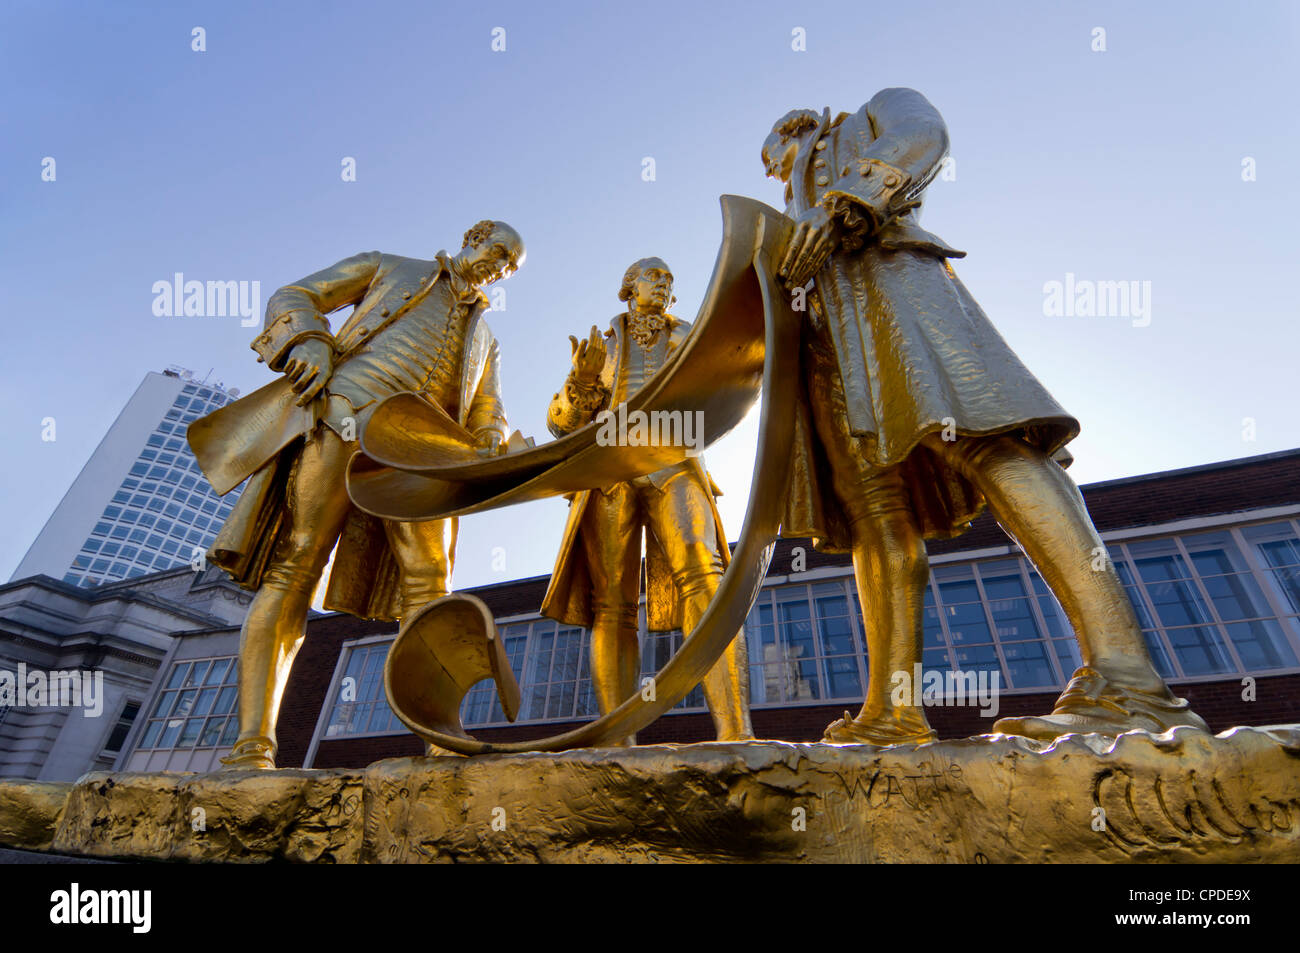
[{"x": 795, "y": 123}]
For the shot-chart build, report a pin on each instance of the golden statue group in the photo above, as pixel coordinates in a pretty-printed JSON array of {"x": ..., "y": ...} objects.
[{"x": 904, "y": 415}]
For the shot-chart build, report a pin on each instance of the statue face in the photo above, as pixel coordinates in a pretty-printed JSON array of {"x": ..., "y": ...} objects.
[
  {"x": 778, "y": 156},
  {"x": 491, "y": 260},
  {"x": 653, "y": 289}
]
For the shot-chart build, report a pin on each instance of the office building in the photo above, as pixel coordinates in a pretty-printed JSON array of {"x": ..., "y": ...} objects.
[{"x": 140, "y": 504}]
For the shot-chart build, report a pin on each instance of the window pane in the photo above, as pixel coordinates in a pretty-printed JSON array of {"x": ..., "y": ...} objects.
[
  {"x": 211, "y": 732},
  {"x": 1159, "y": 657},
  {"x": 842, "y": 679},
  {"x": 1261, "y": 644},
  {"x": 190, "y": 733},
  {"x": 1199, "y": 649},
  {"x": 1028, "y": 664},
  {"x": 966, "y": 624},
  {"x": 165, "y": 703},
  {"x": 217, "y": 674},
  {"x": 1014, "y": 620},
  {"x": 1067, "y": 654},
  {"x": 184, "y": 704},
  {"x": 151, "y": 734},
  {"x": 936, "y": 659},
  {"x": 978, "y": 658},
  {"x": 933, "y": 629},
  {"x": 836, "y": 632},
  {"x": 204, "y": 705},
  {"x": 1236, "y": 597}
]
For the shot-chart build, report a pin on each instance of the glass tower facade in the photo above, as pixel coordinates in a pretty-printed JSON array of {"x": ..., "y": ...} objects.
[{"x": 164, "y": 511}]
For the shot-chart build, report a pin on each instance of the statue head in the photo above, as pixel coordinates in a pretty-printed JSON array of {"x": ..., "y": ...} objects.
[
  {"x": 648, "y": 286},
  {"x": 782, "y": 143},
  {"x": 491, "y": 251}
]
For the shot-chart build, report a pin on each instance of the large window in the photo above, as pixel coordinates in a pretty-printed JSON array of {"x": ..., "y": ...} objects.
[
  {"x": 360, "y": 706},
  {"x": 1216, "y": 603},
  {"x": 196, "y": 708},
  {"x": 998, "y": 617},
  {"x": 804, "y": 645},
  {"x": 557, "y": 674}
]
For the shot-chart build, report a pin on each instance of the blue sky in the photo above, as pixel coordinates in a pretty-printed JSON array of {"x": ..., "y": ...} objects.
[{"x": 225, "y": 165}]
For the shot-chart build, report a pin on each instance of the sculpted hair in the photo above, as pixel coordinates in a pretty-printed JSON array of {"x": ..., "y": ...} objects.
[
  {"x": 479, "y": 233},
  {"x": 795, "y": 123}
]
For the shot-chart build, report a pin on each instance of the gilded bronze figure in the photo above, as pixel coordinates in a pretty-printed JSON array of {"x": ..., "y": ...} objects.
[
  {"x": 416, "y": 326},
  {"x": 597, "y": 577},
  {"x": 916, "y": 414},
  {"x": 417, "y": 463}
]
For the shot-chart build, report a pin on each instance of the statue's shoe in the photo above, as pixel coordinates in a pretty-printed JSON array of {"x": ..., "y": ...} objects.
[
  {"x": 905, "y": 726},
  {"x": 251, "y": 754},
  {"x": 1091, "y": 703}
]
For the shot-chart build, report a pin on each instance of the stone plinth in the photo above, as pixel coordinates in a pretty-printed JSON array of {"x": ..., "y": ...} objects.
[{"x": 1182, "y": 796}]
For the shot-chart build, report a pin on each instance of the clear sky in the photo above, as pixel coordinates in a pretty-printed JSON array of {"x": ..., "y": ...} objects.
[{"x": 1117, "y": 165}]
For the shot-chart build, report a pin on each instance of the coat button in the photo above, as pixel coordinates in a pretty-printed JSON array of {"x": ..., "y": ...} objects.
[
  {"x": 821, "y": 144},
  {"x": 891, "y": 180},
  {"x": 406, "y": 294},
  {"x": 822, "y": 180},
  {"x": 384, "y": 313},
  {"x": 819, "y": 163}
]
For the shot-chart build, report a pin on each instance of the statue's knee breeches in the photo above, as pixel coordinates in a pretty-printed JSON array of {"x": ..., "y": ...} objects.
[
  {"x": 298, "y": 562},
  {"x": 425, "y": 552},
  {"x": 681, "y": 518},
  {"x": 317, "y": 504},
  {"x": 611, "y": 540}
]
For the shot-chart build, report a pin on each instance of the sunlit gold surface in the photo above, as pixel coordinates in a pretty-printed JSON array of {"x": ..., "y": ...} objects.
[
  {"x": 745, "y": 336},
  {"x": 1184, "y": 797},
  {"x": 597, "y": 579},
  {"x": 442, "y": 651},
  {"x": 406, "y": 470},
  {"x": 29, "y": 812},
  {"x": 416, "y": 326},
  {"x": 922, "y": 414}
]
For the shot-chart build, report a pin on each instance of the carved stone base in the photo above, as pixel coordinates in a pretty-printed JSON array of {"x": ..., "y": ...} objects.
[{"x": 1181, "y": 796}]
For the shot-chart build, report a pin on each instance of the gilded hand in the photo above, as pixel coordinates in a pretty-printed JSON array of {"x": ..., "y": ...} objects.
[
  {"x": 812, "y": 240},
  {"x": 588, "y": 356},
  {"x": 309, "y": 367}
]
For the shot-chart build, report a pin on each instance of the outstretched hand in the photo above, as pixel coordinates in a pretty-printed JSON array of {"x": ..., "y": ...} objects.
[{"x": 588, "y": 356}]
